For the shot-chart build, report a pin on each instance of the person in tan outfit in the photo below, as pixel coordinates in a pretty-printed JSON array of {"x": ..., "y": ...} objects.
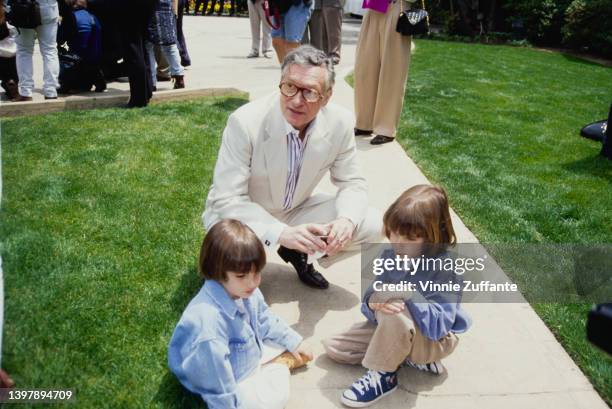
[
  {"x": 415, "y": 328},
  {"x": 381, "y": 70}
]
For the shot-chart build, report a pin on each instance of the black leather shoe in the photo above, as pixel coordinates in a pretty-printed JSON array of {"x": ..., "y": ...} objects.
[
  {"x": 307, "y": 273},
  {"x": 380, "y": 139},
  {"x": 362, "y": 132}
]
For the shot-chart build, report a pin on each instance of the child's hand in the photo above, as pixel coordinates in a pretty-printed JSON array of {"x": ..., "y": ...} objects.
[
  {"x": 305, "y": 350},
  {"x": 390, "y": 307}
]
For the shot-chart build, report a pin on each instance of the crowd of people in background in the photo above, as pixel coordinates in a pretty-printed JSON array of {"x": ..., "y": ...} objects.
[{"x": 85, "y": 43}]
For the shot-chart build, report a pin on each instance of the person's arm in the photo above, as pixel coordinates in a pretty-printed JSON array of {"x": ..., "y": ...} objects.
[
  {"x": 274, "y": 329},
  {"x": 433, "y": 314},
  {"x": 205, "y": 369},
  {"x": 229, "y": 197}
]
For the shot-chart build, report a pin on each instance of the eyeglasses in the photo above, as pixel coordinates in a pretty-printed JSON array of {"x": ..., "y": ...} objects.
[{"x": 290, "y": 90}]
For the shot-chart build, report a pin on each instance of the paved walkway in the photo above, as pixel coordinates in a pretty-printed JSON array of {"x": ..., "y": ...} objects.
[{"x": 509, "y": 359}]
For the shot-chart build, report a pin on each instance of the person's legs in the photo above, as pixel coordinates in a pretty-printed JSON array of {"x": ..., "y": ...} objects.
[
  {"x": 393, "y": 75},
  {"x": 47, "y": 40},
  {"x": 25, "y": 52},
  {"x": 180, "y": 37},
  {"x": 332, "y": 27},
  {"x": 367, "y": 69},
  {"x": 266, "y": 388},
  {"x": 176, "y": 69},
  {"x": 266, "y": 30},
  {"x": 321, "y": 208},
  {"x": 162, "y": 72},
  {"x": 8, "y": 76},
  {"x": 152, "y": 62},
  {"x": 316, "y": 29},
  {"x": 292, "y": 29},
  {"x": 350, "y": 346},
  {"x": 397, "y": 338},
  {"x": 279, "y": 47},
  {"x": 174, "y": 59},
  {"x": 255, "y": 20}
]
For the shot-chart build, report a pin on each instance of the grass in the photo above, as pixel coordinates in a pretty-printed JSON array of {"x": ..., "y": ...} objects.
[
  {"x": 100, "y": 233},
  {"x": 497, "y": 127}
]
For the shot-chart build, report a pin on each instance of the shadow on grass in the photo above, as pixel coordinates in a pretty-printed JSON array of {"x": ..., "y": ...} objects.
[
  {"x": 170, "y": 393},
  {"x": 230, "y": 104},
  {"x": 581, "y": 60},
  {"x": 597, "y": 166}
]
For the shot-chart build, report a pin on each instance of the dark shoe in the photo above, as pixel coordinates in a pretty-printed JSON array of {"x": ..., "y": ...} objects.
[
  {"x": 163, "y": 78},
  {"x": 380, "y": 139},
  {"x": 362, "y": 132},
  {"x": 100, "y": 86},
  {"x": 179, "y": 81},
  {"x": 64, "y": 90},
  {"x": 306, "y": 272},
  {"x": 47, "y": 98},
  {"x": 11, "y": 88},
  {"x": 154, "y": 89},
  {"x": 21, "y": 98}
]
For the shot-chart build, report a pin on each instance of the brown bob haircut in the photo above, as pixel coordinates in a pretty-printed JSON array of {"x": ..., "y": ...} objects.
[
  {"x": 421, "y": 211},
  {"x": 230, "y": 245}
]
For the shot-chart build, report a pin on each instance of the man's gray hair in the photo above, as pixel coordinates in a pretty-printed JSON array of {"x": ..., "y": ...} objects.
[{"x": 308, "y": 56}]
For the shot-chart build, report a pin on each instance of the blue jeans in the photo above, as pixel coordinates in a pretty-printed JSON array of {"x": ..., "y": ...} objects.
[
  {"x": 172, "y": 56},
  {"x": 293, "y": 23}
]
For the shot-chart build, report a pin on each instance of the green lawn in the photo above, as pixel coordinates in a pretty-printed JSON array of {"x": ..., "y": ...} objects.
[
  {"x": 100, "y": 235},
  {"x": 498, "y": 127}
]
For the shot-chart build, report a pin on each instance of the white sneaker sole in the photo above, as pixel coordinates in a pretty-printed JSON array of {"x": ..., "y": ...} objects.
[{"x": 355, "y": 404}]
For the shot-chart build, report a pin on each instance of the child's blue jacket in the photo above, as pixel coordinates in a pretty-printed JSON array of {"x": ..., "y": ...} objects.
[
  {"x": 213, "y": 347},
  {"x": 434, "y": 313}
]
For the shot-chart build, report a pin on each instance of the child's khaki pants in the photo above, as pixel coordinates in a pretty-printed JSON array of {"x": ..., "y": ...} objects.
[{"x": 385, "y": 346}]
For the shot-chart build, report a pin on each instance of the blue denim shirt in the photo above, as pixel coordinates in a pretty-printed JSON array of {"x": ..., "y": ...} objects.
[
  {"x": 214, "y": 346},
  {"x": 434, "y": 313}
]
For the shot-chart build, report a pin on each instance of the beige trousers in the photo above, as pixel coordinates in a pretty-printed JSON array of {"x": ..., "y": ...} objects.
[
  {"x": 381, "y": 71},
  {"x": 385, "y": 346},
  {"x": 257, "y": 18}
]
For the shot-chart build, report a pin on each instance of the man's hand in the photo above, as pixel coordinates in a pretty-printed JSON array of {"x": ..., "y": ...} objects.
[
  {"x": 390, "y": 307},
  {"x": 340, "y": 234},
  {"x": 304, "y": 237},
  {"x": 305, "y": 351}
]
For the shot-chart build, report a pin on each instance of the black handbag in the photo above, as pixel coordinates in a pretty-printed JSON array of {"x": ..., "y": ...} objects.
[
  {"x": 25, "y": 14},
  {"x": 413, "y": 21}
]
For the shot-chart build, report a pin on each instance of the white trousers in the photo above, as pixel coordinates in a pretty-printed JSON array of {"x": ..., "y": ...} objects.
[
  {"x": 268, "y": 386},
  {"x": 172, "y": 56},
  {"x": 47, "y": 40},
  {"x": 257, "y": 17}
]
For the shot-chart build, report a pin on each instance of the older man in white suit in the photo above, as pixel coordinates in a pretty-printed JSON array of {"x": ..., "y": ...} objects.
[{"x": 274, "y": 153}]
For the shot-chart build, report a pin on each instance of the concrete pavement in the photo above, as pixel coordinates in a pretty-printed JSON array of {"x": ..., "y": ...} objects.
[{"x": 509, "y": 358}]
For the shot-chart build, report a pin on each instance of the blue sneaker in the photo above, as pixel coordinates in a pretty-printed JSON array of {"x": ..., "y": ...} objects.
[{"x": 369, "y": 388}]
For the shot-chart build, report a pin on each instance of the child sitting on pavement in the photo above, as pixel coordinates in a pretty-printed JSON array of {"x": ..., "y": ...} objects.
[
  {"x": 417, "y": 329},
  {"x": 228, "y": 346}
]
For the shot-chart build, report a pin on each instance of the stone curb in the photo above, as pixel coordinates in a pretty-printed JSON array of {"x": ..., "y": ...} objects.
[{"x": 79, "y": 102}]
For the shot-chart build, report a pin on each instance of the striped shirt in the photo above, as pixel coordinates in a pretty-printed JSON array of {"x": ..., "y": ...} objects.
[{"x": 296, "y": 148}]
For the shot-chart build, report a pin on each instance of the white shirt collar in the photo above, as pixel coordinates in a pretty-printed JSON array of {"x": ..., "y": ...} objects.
[{"x": 290, "y": 129}]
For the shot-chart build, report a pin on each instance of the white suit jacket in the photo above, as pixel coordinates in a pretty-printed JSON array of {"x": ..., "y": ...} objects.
[{"x": 251, "y": 170}]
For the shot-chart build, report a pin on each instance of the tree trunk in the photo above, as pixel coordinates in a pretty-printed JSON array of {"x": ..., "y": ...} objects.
[{"x": 492, "y": 15}]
